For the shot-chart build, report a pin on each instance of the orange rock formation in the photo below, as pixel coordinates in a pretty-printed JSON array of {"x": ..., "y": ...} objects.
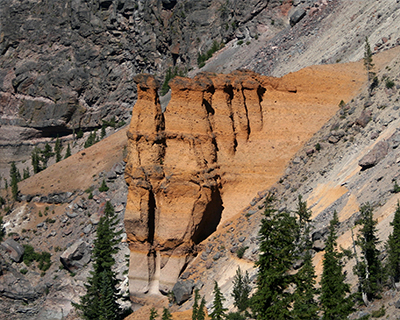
[{"x": 221, "y": 139}]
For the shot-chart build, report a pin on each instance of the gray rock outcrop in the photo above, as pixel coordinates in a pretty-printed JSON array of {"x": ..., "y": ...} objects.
[
  {"x": 76, "y": 256},
  {"x": 14, "y": 250}
]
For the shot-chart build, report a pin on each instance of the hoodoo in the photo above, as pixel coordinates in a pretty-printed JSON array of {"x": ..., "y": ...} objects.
[{"x": 221, "y": 139}]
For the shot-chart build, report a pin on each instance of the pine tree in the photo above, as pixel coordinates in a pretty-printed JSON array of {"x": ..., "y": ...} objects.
[
  {"x": 15, "y": 178},
  {"x": 166, "y": 315},
  {"x": 241, "y": 290},
  {"x": 218, "y": 312},
  {"x": 305, "y": 306},
  {"x": 103, "y": 131},
  {"x": 103, "y": 187},
  {"x": 91, "y": 140},
  {"x": 393, "y": 248},
  {"x": 68, "y": 152},
  {"x": 195, "y": 308},
  {"x": 47, "y": 153},
  {"x": 2, "y": 232},
  {"x": 369, "y": 269},
  {"x": 369, "y": 66},
  {"x": 26, "y": 174},
  {"x": 335, "y": 302},
  {"x": 201, "y": 315},
  {"x": 153, "y": 314},
  {"x": 57, "y": 149},
  {"x": 277, "y": 235},
  {"x": 100, "y": 300},
  {"x": 36, "y": 160}
]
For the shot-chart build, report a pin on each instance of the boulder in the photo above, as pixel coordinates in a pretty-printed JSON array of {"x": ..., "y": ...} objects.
[
  {"x": 14, "y": 249},
  {"x": 76, "y": 256},
  {"x": 182, "y": 290},
  {"x": 378, "y": 152},
  {"x": 297, "y": 16},
  {"x": 318, "y": 245},
  {"x": 364, "y": 118}
]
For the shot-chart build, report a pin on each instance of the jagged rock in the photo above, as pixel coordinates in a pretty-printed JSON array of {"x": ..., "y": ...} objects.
[
  {"x": 13, "y": 249},
  {"x": 87, "y": 229},
  {"x": 364, "y": 118},
  {"x": 15, "y": 286},
  {"x": 182, "y": 290},
  {"x": 297, "y": 16},
  {"x": 378, "y": 152},
  {"x": 76, "y": 256},
  {"x": 318, "y": 245}
]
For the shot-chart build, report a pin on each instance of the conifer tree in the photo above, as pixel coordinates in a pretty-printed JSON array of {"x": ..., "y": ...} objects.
[
  {"x": 36, "y": 160},
  {"x": 166, "y": 315},
  {"x": 218, "y": 312},
  {"x": 2, "y": 232},
  {"x": 100, "y": 300},
  {"x": 26, "y": 174},
  {"x": 153, "y": 314},
  {"x": 103, "y": 187},
  {"x": 57, "y": 149},
  {"x": 305, "y": 306},
  {"x": 15, "y": 178},
  {"x": 47, "y": 153},
  {"x": 369, "y": 269},
  {"x": 103, "y": 131},
  {"x": 195, "y": 307},
  {"x": 369, "y": 66},
  {"x": 336, "y": 304},
  {"x": 393, "y": 248},
  {"x": 201, "y": 315},
  {"x": 241, "y": 290},
  {"x": 277, "y": 237},
  {"x": 68, "y": 152}
]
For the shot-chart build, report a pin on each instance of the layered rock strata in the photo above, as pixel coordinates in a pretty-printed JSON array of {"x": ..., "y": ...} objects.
[{"x": 221, "y": 139}]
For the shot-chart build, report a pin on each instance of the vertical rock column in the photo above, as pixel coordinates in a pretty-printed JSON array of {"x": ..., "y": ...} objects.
[
  {"x": 173, "y": 198},
  {"x": 143, "y": 173}
]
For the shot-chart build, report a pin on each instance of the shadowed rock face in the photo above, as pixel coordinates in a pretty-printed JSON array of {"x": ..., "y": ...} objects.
[{"x": 178, "y": 164}]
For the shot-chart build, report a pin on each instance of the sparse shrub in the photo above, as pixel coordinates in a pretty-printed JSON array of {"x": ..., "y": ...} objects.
[
  {"x": 240, "y": 252},
  {"x": 389, "y": 83},
  {"x": 240, "y": 42},
  {"x": 40, "y": 214},
  {"x": 379, "y": 313},
  {"x": 318, "y": 147},
  {"x": 341, "y": 104},
  {"x": 396, "y": 187},
  {"x": 42, "y": 258},
  {"x": 202, "y": 58},
  {"x": 79, "y": 134},
  {"x": 90, "y": 197},
  {"x": 23, "y": 271},
  {"x": 170, "y": 74},
  {"x": 103, "y": 187},
  {"x": 49, "y": 220}
]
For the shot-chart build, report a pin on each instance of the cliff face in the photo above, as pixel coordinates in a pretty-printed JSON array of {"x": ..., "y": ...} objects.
[
  {"x": 67, "y": 66},
  {"x": 221, "y": 139}
]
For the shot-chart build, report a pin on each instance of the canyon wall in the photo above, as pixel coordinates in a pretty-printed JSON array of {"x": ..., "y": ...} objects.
[{"x": 221, "y": 139}]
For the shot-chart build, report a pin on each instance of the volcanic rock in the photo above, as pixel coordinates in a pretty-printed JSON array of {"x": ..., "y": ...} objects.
[
  {"x": 14, "y": 249},
  {"x": 76, "y": 256}
]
